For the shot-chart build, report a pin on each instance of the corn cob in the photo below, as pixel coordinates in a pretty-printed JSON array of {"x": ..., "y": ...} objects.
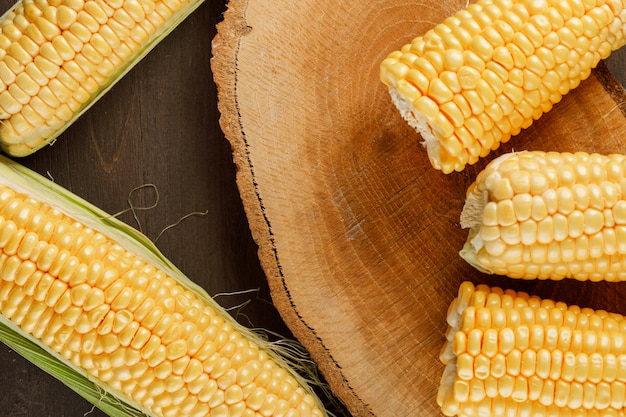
[
  {"x": 97, "y": 296},
  {"x": 490, "y": 70},
  {"x": 57, "y": 57},
  {"x": 548, "y": 215},
  {"x": 511, "y": 354}
]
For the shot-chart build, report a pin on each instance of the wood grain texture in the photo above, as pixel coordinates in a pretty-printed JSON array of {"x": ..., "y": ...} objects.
[
  {"x": 158, "y": 125},
  {"x": 358, "y": 234}
]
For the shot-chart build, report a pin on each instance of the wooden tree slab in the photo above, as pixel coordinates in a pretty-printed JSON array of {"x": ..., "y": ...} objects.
[{"x": 357, "y": 233}]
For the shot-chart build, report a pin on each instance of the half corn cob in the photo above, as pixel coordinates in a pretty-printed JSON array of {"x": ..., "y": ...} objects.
[
  {"x": 549, "y": 215},
  {"x": 82, "y": 291},
  {"x": 57, "y": 57},
  {"x": 490, "y": 70},
  {"x": 511, "y": 354}
]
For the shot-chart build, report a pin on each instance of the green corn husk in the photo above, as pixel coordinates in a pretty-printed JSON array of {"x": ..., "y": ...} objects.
[
  {"x": 20, "y": 145},
  {"x": 286, "y": 353}
]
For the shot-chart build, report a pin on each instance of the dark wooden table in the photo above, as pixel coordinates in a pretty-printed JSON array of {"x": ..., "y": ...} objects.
[{"x": 159, "y": 127}]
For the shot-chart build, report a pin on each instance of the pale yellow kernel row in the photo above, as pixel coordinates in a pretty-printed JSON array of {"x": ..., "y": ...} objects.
[{"x": 554, "y": 365}]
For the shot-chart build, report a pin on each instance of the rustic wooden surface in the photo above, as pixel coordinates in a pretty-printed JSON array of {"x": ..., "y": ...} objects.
[
  {"x": 159, "y": 125},
  {"x": 358, "y": 234}
]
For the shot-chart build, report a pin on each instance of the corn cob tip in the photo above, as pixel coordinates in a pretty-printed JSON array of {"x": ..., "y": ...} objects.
[
  {"x": 419, "y": 122},
  {"x": 471, "y": 218},
  {"x": 447, "y": 356}
]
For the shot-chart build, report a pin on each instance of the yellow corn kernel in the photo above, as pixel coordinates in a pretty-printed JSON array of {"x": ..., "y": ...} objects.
[
  {"x": 93, "y": 39},
  {"x": 541, "y": 374},
  {"x": 501, "y": 64},
  {"x": 156, "y": 341},
  {"x": 570, "y": 226}
]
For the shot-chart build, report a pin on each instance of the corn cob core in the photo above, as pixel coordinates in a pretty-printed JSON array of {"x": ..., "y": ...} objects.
[
  {"x": 129, "y": 325},
  {"x": 490, "y": 70},
  {"x": 56, "y": 56},
  {"x": 549, "y": 215},
  {"x": 511, "y": 354}
]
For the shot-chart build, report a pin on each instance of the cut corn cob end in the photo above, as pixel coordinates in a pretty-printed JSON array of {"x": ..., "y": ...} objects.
[
  {"x": 58, "y": 57},
  {"x": 485, "y": 73},
  {"x": 96, "y": 298},
  {"x": 511, "y": 354},
  {"x": 548, "y": 215}
]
